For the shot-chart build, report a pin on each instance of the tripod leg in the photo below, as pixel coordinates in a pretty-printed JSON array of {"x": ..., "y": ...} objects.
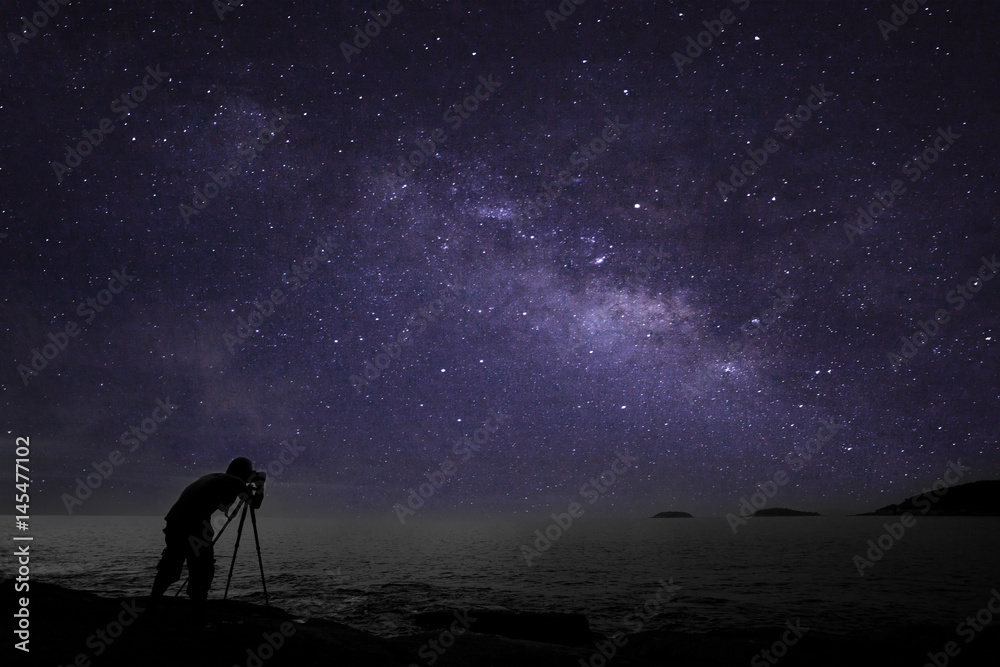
[
  {"x": 260, "y": 562},
  {"x": 239, "y": 534}
]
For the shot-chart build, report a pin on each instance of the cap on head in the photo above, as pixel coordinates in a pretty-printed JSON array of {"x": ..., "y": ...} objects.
[{"x": 240, "y": 467}]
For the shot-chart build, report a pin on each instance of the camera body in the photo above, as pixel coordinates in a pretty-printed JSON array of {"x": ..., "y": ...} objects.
[{"x": 255, "y": 485}]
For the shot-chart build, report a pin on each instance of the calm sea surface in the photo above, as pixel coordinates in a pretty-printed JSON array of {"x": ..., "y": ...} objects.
[{"x": 375, "y": 575}]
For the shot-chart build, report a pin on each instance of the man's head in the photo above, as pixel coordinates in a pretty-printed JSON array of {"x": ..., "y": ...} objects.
[{"x": 240, "y": 467}]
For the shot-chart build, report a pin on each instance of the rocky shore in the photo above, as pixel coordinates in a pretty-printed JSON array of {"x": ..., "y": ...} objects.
[{"x": 80, "y": 628}]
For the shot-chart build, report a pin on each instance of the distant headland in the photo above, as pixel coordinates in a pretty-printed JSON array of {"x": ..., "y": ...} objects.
[
  {"x": 672, "y": 515},
  {"x": 972, "y": 499}
]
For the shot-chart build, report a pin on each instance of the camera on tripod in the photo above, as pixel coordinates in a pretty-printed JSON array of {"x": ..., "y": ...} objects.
[{"x": 255, "y": 487}]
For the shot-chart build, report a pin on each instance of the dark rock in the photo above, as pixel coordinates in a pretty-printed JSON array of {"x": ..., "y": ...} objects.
[
  {"x": 552, "y": 628},
  {"x": 67, "y": 627}
]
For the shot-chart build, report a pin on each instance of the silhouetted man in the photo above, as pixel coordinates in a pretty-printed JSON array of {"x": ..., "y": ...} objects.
[{"x": 189, "y": 530}]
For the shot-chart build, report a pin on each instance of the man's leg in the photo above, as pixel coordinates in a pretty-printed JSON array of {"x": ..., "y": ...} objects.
[
  {"x": 168, "y": 570},
  {"x": 201, "y": 566}
]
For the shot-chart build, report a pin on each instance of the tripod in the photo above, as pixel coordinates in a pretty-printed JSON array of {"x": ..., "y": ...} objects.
[{"x": 239, "y": 533}]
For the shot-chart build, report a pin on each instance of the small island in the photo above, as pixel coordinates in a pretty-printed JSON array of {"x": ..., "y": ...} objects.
[
  {"x": 783, "y": 511},
  {"x": 672, "y": 515}
]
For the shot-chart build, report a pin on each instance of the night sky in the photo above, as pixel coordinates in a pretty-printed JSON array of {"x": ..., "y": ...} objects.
[{"x": 576, "y": 250}]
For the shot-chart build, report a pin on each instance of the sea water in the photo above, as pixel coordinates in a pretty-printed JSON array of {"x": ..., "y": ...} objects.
[{"x": 374, "y": 575}]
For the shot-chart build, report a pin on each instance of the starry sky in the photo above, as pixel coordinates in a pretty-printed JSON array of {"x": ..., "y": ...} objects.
[{"x": 573, "y": 248}]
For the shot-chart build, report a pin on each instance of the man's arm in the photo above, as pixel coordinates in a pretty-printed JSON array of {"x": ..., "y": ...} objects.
[
  {"x": 226, "y": 508},
  {"x": 236, "y": 491}
]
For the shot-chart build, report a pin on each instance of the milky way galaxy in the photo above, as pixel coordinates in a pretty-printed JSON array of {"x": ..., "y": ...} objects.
[{"x": 616, "y": 240}]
